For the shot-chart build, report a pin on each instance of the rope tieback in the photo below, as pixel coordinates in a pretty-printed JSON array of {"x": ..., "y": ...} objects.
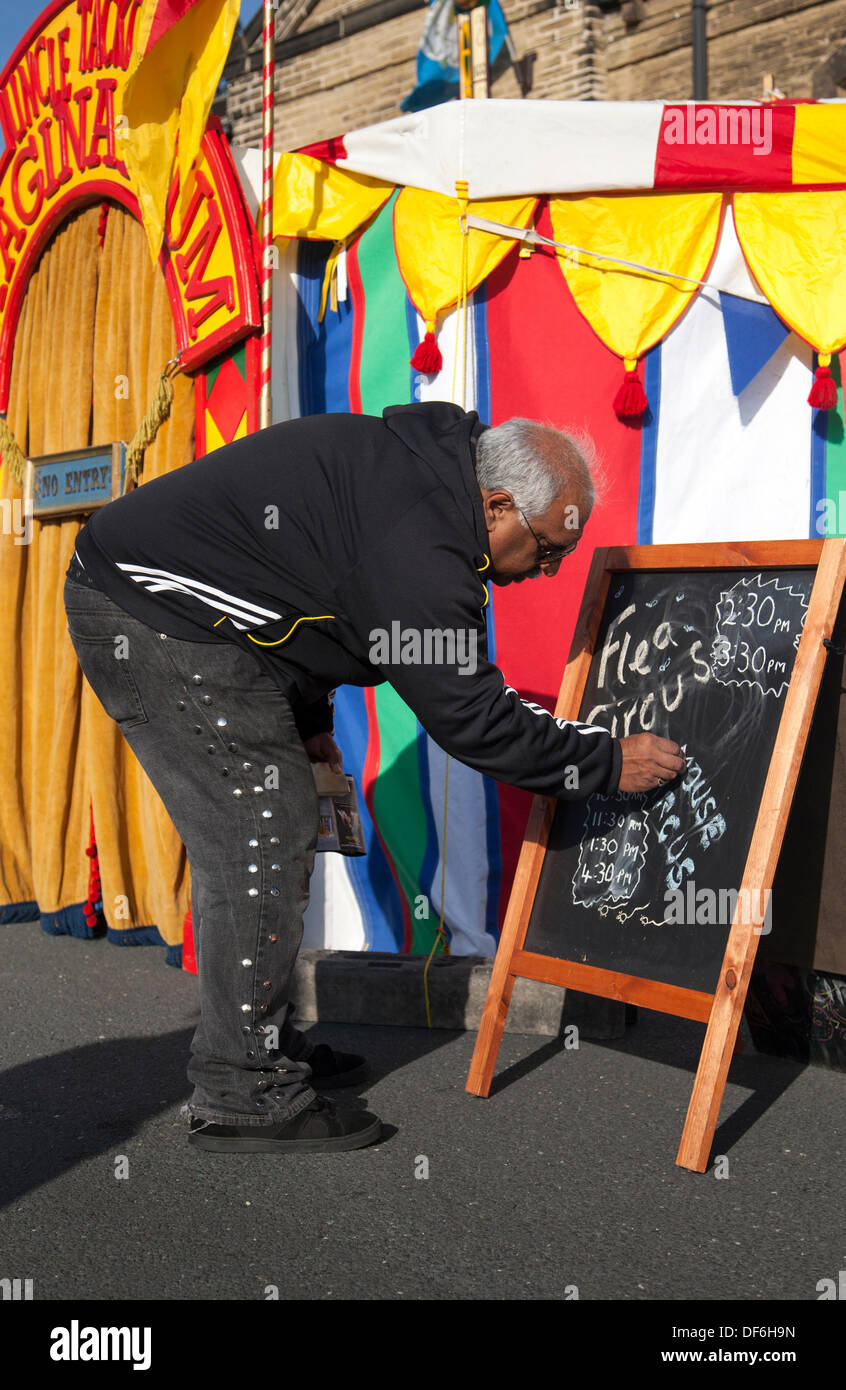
[
  {"x": 13, "y": 456},
  {"x": 157, "y": 412}
]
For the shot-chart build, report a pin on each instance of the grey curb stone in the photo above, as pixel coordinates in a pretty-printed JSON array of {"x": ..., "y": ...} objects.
[{"x": 379, "y": 987}]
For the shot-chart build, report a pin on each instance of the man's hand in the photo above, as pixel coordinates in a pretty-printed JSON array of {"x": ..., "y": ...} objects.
[
  {"x": 322, "y": 748},
  {"x": 648, "y": 761}
]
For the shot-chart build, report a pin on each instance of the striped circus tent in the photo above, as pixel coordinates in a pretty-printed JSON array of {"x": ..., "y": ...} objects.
[{"x": 724, "y": 344}]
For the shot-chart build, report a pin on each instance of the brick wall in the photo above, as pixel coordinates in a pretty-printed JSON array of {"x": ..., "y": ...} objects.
[
  {"x": 746, "y": 38},
  {"x": 637, "y": 51}
]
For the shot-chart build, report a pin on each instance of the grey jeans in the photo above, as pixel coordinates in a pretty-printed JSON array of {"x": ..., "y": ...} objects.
[{"x": 219, "y": 742}]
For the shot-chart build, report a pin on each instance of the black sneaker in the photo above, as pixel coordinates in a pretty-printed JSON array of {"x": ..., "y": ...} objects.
[{"x": 319, "y": 1128}]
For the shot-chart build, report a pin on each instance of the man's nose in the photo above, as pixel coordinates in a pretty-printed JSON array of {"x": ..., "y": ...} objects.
[{"x": 550, "y": 568}]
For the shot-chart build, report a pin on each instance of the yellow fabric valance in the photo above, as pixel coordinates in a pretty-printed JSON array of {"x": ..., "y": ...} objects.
[
  {"x": 320, "y": 202},
  {"x": 795, "y": 246},
  {"x": 428, "y": 240},
  {"x": 632, "y": 309}
]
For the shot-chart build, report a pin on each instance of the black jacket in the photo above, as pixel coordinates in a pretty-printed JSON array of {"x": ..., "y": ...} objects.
[{"x": 308, "y": 542}]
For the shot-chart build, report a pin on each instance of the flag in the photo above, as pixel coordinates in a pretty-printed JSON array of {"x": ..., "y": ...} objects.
[
  {"x": 437, "y": 56},
  {"x": 175, "y": 69}
]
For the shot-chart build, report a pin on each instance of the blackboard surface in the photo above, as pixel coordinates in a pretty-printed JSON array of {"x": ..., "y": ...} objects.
[{"x": 704, "y": 658}]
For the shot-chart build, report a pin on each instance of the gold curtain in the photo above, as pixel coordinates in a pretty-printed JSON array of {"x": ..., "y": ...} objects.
[{"x": 94, "y": 333}]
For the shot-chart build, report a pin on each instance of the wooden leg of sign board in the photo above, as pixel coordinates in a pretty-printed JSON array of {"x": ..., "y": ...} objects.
[
  {"x": 530, "y": 863},
  {"x": 514, "y": 928},
  {"x": 720, "y": 1044},
  {"x": 736, "y": 970},
  {"x": 491, "y": 1028}
]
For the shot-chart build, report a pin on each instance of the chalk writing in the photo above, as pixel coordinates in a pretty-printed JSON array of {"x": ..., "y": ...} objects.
[
  {"x": 758, "y": 621},
  {"x": 634, "y": 696},
  {"x": 611, "y": 852},
  {"x": 687, "y": 819},
  {"x": 611, "y": 862}
]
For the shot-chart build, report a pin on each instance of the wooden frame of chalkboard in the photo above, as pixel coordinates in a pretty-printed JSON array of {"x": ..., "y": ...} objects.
[{"x": 722, "y": 1007}]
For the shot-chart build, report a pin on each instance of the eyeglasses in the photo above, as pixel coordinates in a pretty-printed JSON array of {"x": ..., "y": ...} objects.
[{"x": 548, "y": 554}]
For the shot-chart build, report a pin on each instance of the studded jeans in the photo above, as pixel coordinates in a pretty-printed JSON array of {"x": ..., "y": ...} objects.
[{"x": 219, "y": 743}]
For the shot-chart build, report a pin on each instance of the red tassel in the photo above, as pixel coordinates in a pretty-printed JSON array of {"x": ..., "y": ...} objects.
[
  {"x": 427, "y": 356},
  {"x": 630, "y": 401},
  {"x": 189, "y": 953},
  {"x": 88, "y": 909},
  {"x": 824, "y": 390}
]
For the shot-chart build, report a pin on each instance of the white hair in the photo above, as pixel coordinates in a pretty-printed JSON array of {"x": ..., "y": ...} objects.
[{"x": 536, "y": 464}]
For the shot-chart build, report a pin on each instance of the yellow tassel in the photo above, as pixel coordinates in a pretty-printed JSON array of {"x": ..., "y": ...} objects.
[{"x": 329, "y": 288}]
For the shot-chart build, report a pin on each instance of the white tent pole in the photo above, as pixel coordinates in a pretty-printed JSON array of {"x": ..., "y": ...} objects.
[{"x": 266, "y": 218}]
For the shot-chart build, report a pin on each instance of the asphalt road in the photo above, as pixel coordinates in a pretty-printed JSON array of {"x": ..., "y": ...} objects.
[{"x": 564, "y": 1178}]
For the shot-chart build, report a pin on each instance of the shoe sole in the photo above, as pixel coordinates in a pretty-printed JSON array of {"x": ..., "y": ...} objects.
[{"x": 245, "y": 1144}]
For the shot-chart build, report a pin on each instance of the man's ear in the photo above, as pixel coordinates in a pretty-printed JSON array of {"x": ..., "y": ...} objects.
[{"x": 498, "y": 504}]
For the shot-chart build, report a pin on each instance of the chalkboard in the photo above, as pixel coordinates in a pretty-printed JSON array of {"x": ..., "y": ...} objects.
[
  {"x": 660, "y": 899},
  {"x": 641, "y": 882}
]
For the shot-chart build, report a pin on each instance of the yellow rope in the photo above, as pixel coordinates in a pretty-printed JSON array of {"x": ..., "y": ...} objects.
[
  {"x": 157, "y": 413},
  {"x": 13, "y": 456},
  {"x": 441, "y": 934},
  {"x": 461, "y": 192},
  {"x": 458, "y": 391}
]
